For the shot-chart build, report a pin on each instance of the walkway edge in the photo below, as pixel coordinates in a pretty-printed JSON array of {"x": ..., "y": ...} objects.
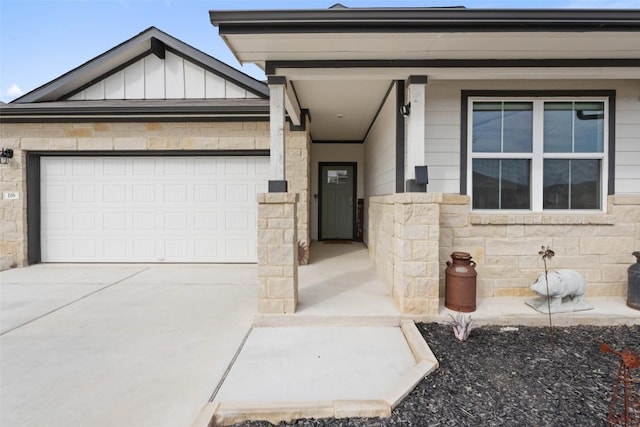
[
  {"x": 225, "y": 414},
  {"x": 425, "y": 359},
  {"x": 229, "y": 414}
]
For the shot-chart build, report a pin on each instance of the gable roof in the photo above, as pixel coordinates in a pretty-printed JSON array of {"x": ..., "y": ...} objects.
[{"x": 151, "y": 41}]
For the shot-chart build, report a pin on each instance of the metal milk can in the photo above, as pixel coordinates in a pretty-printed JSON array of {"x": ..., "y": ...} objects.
[
  {"x": 460, "y": 283},
  {"x": 633, "y": 292}
]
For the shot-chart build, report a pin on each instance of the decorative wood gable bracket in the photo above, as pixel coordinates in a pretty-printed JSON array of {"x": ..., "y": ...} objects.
[{"x": 158, "y": 48}]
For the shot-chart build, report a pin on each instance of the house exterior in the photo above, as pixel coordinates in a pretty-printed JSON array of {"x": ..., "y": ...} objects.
[
  {"x": 524, "y": 123},
  {"x": 150, "y": 152},
  {"x": 419, "y": 131}
]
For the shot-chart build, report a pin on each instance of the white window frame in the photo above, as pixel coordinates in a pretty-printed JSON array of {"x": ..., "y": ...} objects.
[{"x": 537, "y": 156}]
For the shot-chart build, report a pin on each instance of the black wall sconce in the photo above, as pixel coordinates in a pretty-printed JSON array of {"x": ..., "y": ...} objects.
[
  {"x": 5, "y": 155},
  {"x": 405, "y": 110},
  {"x": 422, "y": 175}
]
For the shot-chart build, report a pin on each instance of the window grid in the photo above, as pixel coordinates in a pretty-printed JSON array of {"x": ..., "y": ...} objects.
[{"x": 537, "y": 156}]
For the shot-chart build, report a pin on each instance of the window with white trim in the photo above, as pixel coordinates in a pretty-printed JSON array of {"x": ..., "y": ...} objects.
[{"x": 537, "y": 154}]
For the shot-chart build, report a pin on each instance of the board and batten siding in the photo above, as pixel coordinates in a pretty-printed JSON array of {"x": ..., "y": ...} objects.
[
  {"x": 380, "y": 152},
  {"x": 171, "y": 78},
  {"x": 443, "y": 127},
  {"x": 628, "y": 138}
]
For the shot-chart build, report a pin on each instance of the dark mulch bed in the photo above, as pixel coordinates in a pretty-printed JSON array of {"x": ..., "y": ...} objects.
[{"x": 510, "y": 378}]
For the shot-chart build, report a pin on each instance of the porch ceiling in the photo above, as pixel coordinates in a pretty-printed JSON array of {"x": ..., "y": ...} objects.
[
  {"x": 341, "y": 61},
  {"x": 341, "y": 110}
]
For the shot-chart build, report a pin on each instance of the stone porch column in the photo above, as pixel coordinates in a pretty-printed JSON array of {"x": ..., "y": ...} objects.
[
  {"x": 416, "y": 253},
  {"x": 277, "y": 253}
]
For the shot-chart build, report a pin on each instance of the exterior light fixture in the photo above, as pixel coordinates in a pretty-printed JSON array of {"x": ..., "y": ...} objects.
[
  {"x": 5, "y": 155},
  {"x": 405, "y": 110}
]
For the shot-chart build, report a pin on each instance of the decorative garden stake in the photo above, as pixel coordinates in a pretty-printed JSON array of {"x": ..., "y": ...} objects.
[
  {"x": 547, "y": 253},
  {"x": 626, "y": 412}
]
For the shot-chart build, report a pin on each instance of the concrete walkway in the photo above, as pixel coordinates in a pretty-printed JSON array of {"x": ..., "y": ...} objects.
[
  {"x": 118, "y": 345},
  {"x": 164, "y": 345},
  {"x": 284, "y": 373},
  {"x": 347, "y": 351}
]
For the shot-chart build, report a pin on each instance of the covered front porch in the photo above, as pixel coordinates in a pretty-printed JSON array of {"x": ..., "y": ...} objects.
[
  {"x": 340, "y": 287},
  {"x": 360, "y": 90}
]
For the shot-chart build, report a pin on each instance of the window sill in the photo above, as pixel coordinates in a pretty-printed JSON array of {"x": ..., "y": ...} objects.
[{"x": 592, "y": 218}]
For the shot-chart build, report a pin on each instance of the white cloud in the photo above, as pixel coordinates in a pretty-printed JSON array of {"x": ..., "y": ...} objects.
[
  {"x": 14, "y": 91},
  {"x": 10, "y": 94}
]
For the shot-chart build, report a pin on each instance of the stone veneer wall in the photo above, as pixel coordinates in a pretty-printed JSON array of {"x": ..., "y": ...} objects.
[
  {"x": 277, "y": 253},
  {"x": 409, "y": 250},
  {"x": 428, "y": 227},
  {"x": 298, "y": 174},
  {"x": 159, "y": 136},
  {"x": 505, "y": 246},
  {"x": 381, "y": 225}
]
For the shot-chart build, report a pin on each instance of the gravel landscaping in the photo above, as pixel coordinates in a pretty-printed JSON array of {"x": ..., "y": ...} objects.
[{"x": 510, "y": 377}]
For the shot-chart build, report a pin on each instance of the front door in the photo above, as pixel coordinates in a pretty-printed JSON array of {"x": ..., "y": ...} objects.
[{"x": 337, "y": 197}]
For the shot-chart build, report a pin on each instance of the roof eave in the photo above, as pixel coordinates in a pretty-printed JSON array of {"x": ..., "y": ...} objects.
[
  {"x": 423, "y": 20},
  {"x": 33, "y": 114}
]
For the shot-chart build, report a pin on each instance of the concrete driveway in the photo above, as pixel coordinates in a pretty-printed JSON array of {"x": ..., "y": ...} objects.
[{"x": 118, "y": 345}]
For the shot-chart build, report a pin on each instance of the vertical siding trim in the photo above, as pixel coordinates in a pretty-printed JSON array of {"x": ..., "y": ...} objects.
[
  {"x": 399, "y": 137},
  {"x": 464, "y": 117},
  {"x": 33, "y": 209},
  {"x": 612, "y": 144}
]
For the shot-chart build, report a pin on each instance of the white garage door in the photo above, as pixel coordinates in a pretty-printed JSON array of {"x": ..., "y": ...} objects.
[{"x": 150, "y": 209}]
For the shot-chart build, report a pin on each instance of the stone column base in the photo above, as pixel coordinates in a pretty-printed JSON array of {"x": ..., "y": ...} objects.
[{"x": 277, "y": 253}]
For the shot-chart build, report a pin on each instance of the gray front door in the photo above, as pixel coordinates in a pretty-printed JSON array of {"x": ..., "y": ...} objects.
[{"x": 337, "y": 197}]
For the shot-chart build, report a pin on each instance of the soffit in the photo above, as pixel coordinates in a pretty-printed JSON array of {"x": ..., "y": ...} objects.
[
  {"x": 250, "y": 48},
  {"x": 341, "y": 110}
]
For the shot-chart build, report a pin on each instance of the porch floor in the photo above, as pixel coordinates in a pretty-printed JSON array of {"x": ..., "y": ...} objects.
[{"x": 340, "y": 287}]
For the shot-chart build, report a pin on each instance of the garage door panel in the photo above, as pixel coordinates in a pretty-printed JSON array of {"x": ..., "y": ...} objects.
[
  {"x": 206, "y": 248},
  {"x": 208, "y": 166},
  {"x": 83, "y": 248},
  {"x": 144, "y": 193},
  {"x": 144, "y": 167},
  {"x": 236, "y": 166},
  {"x": 115, "y": 167},
  {"x": 113, "y": 248},
  {"x": 205, "y": 193},
  {"x": 143, "y": 221},
  {"x": 114, "y": 193},
  {"x": 206, "y": 221},
  {"x": 54, "y": 167},
  {"x": 236, "y": 220},
  {"x": 139, "y": 209},
  {"x": 176, "y": 193},
  {"x": 144, "y": 248},
  {"x": 236, "y": 247},
  {"x": 83, "y": 193}
]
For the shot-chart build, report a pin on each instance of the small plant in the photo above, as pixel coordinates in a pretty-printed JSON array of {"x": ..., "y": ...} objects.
[
  {"x": 462, "y": 326},
  {"x": 546, "y": 253},
  {"x": 303, "y": 253}
]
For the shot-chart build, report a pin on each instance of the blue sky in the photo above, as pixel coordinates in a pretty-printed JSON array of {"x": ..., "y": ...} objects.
[{"x": 43, "y": 39}]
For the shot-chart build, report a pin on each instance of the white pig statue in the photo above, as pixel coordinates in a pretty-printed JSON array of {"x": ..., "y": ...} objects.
[{"x": 566, "y": 291}]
